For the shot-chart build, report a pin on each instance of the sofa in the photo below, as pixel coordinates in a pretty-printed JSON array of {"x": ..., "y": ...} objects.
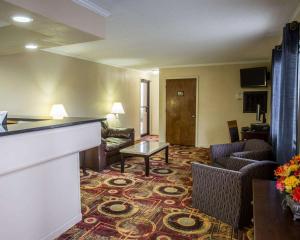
[
  {"x": 255, "y": 149},
  {"x": 226, "y": 193},
  {"x": 112, "y": 140}
]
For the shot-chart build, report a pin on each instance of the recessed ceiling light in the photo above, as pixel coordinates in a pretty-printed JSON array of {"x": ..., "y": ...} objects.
[
  {"x": 31, "y": 46},
  {"x": 22, "y": 19}
]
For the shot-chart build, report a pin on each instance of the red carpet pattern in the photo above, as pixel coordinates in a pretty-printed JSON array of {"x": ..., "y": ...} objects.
[{"x": 132, "y": 206}]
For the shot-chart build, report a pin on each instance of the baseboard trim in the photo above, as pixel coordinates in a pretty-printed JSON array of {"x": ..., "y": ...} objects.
[
  {"x": 57, "y": 232},
  {"x": 202, "y": 146}
]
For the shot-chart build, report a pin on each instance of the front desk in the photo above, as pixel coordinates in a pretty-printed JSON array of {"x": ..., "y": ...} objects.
[{"x": 40, "y": 176}]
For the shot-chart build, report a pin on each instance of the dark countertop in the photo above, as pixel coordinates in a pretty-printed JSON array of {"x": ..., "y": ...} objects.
[
  {"x": 38, "y": 124},
  {"x": 28, "y": 118}
]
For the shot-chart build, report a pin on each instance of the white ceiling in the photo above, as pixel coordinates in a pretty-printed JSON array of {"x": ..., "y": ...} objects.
[
  {"x": 42, "y": 31},
  {"x": 147, "y": 34}
]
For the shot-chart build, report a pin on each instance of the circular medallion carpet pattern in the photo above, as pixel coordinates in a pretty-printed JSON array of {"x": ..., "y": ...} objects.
[
  {"x": 119, "y": 182},
  {"x": 136, "y": 228},
  {"x": 170, "y": 190},
  {"x": 162, "y": 171},
  {"x": 186, "y": 223},
  {"x": 117, "y": 166},
  {"x": 117, "y": 208},
  {"x": 131, "y": 206}
]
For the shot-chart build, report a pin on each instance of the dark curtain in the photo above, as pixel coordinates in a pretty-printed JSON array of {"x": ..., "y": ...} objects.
[
  {"x": 276, "y": 86},
  {"x": 284, "y": 129}
]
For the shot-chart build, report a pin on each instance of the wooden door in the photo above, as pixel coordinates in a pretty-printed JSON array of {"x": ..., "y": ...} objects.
[{"x": 181, "y": 111}]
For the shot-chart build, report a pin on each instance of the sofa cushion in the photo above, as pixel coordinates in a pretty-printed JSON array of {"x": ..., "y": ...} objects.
[
  {"x": 256, "y": 145},
  {"x": 111, "y": 147},
  {"x": 220, "y": 162},
  {"x": 215, "y": 164},
  {"x": 113, "y": 144}
]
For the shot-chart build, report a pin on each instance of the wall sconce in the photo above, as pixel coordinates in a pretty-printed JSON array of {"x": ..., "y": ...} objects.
[
  {"x": 117, "y": 109},
  {"x": 58, "y": 111}
]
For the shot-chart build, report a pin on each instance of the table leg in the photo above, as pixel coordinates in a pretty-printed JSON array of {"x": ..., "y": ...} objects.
[
  {"x": 147, "y": 166},
  {"x": 167, "y": 154},
  {"x": 122, "y": 163}
]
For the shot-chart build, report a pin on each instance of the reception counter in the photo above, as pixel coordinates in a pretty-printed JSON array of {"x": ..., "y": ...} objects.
[
  {"x": 40, "y": 175},
  {"x": 24, "y": 125}
]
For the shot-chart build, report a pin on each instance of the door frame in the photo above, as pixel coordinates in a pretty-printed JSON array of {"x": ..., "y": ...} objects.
[
  {"x": 148, "y": 101},
  {"x": 170, "y": 78}
]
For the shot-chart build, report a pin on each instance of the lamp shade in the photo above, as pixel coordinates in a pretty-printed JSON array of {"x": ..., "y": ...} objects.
[
  {"x": 3, "y": 117},
  {"x": 58, "y": 111},
  {"x": 117, "y": 108}
]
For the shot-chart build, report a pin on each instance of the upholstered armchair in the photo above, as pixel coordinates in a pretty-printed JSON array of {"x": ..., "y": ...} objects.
[
  {"x": 255, "y": 149},
  {"x": 226, "y": 193}
]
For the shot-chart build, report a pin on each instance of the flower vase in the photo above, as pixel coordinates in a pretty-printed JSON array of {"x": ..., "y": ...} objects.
[{"x": 294, "y": 206}]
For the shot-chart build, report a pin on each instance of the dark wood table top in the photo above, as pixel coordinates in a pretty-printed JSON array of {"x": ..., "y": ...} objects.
[{"x": 270, "y": 220}]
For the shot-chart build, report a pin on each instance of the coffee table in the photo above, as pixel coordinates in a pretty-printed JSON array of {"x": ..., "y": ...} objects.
[{"x": 144, "y": 149}]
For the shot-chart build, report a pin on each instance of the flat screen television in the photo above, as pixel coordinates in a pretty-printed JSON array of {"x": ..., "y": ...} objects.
[{"x": 253, "y": 77}]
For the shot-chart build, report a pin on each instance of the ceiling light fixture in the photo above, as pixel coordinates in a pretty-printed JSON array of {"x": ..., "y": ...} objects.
[
  {"x": 94, "y": 7},
  {"x": 22, "y": 19},
  {"x": 31, "y": 46}
]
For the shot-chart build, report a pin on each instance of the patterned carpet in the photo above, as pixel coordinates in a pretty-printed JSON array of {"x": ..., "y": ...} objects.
[{"x": 132, "y": 206}]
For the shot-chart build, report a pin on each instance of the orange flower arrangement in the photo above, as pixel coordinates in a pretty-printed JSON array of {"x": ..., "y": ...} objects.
[{"x": 288, "y": 178}]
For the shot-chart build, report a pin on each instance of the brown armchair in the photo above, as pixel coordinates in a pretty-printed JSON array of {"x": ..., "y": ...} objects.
[{"x": 112, "y": 140}]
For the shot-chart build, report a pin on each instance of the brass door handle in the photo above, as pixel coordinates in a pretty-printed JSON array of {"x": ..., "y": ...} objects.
[{"x": 193, "y": 116}]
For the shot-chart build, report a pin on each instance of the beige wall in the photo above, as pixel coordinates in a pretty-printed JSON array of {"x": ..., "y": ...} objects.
[
  {"x": 217, "y": 87},
  {"x": 32, "y": 82}
]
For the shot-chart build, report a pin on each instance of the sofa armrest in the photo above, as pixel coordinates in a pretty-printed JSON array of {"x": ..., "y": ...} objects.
[
  {"x": 255, "y": 155},
  {"x": 121, "y": 133},
  {"x": 102, "y": 154},
  {"x": 258, "y": 170},
  {"x": 217, "y": 192},
  {"x": 102, "y": 147},
  {"x": 225, "y": 150},
  {"x": 235, "y": 163}
]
